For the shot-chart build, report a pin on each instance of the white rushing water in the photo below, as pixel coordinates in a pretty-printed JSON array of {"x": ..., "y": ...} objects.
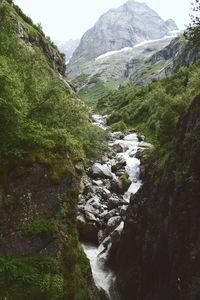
[
  {"x": 103, "y": 277},
  {"x": 131, "y": 144}
]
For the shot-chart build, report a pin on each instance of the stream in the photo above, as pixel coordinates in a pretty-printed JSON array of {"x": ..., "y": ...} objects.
[{"x": 106, "y": 192}]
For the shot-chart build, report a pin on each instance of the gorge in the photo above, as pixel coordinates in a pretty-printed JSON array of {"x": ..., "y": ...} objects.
[{"x": 99, "y": 160}]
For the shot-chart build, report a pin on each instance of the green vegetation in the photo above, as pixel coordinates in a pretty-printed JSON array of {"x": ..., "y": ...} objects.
[
  {"x": 37, "y": 110},
  {"x": 44, "y": 125},
  {"x": 26, "y": 276},
  {"x": 41, "y": 226},
  {"x": 152, "y": 69},
  {"x": 94, "y": 89},
  {"x": 153, "y": 109}
]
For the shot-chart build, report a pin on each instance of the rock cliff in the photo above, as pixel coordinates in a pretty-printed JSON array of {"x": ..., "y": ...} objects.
[{"x": 122, "y": 27}]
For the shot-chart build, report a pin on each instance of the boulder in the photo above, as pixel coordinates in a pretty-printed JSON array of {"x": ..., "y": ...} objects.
[
  {"x": 120, "y": 186},
  {"x": 118, "y": 164},
  {"x": 118, "y": 148},
  {"x": 90, "y": 217},
  {"x": 100, "y": 171},
  {"x": 89, "y": 207},
  {"x": 110, "y": 214},
  {"x": 88, "y": 231},
  {"x": 113, "y": 202},
  {"x": 106, "y": 194},
  {"x": 97, "y": 182}
]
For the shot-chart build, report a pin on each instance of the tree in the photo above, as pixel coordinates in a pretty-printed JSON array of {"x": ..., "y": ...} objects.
[{"x": 193, "y": 31}]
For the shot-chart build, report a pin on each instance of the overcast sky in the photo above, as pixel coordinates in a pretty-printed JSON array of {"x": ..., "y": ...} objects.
[{"x": 69, "y": 19}]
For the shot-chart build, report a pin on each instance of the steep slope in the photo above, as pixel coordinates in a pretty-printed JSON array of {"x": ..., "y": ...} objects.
[
  {"x": 122, "y": 27},
  {"x": 46, "y": 138},
  {"x": 157, "y": 256}
]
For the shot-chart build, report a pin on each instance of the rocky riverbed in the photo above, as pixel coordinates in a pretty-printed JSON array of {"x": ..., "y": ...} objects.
[{"x": 106, "y": 190}]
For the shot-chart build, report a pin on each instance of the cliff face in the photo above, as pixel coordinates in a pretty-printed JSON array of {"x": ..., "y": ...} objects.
[{"x": 158, "y": 255}]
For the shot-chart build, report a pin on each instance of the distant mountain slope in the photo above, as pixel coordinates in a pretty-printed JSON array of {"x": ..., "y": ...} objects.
[{"x": 68, "y": 47}]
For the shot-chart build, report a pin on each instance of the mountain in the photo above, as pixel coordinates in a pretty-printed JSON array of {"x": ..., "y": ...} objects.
[
  {"x": 131, "y": 32},
  {"x": 126, "y": 26},
  {"x": 68, "y": 47},
  {"x": 45, "y": 135}
]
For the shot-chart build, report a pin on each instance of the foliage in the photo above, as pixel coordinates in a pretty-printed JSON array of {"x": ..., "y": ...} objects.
[
  {"x": 37, "y": 110},
  {"x": 26, "y": 276},
  {"x": 41, "y": 121},
  {"x": 193, "y": 31},
  {"x": 41, "y": 226},
  {"x": 153, "y": 109}
]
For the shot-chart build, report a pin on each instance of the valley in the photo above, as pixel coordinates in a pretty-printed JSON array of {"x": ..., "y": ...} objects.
[{"x": 99, "y": 159}]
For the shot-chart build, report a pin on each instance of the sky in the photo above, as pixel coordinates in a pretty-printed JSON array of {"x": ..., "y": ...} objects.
[{"x": 69, "y": 19}]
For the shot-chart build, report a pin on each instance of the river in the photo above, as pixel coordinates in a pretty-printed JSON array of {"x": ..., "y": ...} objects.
[{"x": 126, "y": 147}]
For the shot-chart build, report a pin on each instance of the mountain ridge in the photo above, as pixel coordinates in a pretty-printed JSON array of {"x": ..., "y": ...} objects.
[{"x": 125, "y": 26}]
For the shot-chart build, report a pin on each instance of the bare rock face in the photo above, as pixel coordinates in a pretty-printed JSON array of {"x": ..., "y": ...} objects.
[{"x": 122, "y": 27}]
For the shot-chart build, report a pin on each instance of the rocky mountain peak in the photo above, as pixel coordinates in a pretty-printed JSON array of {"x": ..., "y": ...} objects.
[
  {"x": 171, "y": 25},
  {"x": 125, "y": 26}
]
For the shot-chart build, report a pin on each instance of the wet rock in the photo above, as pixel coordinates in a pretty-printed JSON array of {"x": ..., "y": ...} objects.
[
  {"x": 140, "y": 153},
  {"x": 120, "y": 172},
  {"x": 123, "y": 210},
  {"x": 110, "y": 214},
  {"x": 117, "y": 135},
  {"x": 90, "y": 217},
  {"x": 112, "y": 224},
  {"x": 91, "y": 209},
  {"x": 106, "y": 194},
  {"x": 141, "y": 138},
  {"x": 117, "y": 148},
  {"x": 103, "y": 214},
  {"x": 118, "y": 164},
  {"x": 100, "y": 171},
  {"x": 113, "y": 202},
  {"x": 111, "y": 155},
  {"x": 88, "y": 231},
  {"x": 116, "y": 234},
  {"x": 120, "y": 186},
  {"x": 97, "y": 182},
  {"x": 95, "y": 202},
  {"x": 132, "y": 153}
]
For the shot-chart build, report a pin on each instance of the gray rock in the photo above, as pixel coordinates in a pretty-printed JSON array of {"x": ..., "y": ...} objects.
[
  {"x": 123, "y": 210},
  {"x": 97, "y": 182},
  {"x": 100, "y": 171},
  {"x": 89, "y": 216},
  {"x": 118, "y": 164},
  {"x": 91, "y": 209},
  {"x": 113, "y": 223},
  {"x": 106, "y": 194},
  {"x": 113, "y": 202},
  {"x": 118, "y": 148},
  {"x": 110, "y": 214},
  {"x": 120, "y": 186}
]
